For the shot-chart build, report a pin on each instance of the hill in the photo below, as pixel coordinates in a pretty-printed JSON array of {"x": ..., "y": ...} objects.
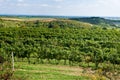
[
  {"x": 97, "y": 21},
  {"x": 42, "y": 22},
  {"x": 57, "y": 21},
  {"x": 59, "y": 42}
]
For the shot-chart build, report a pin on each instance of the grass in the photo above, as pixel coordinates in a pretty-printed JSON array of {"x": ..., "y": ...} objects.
[
  {"x": 28, "y": 19},
  {"x": 48, "y": 72},
  {"x": 25, "y": 71}
]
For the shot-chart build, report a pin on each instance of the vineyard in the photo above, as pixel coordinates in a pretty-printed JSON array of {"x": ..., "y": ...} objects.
[{"x": 95, "y": 47}]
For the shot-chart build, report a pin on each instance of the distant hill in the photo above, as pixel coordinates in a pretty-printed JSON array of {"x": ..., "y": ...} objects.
[
  {"x": 42, "y": 22},
  {"x": 57, "y": 21},
  {"x": 97, "y": 21},
  {"x": 112, "y": 18}
]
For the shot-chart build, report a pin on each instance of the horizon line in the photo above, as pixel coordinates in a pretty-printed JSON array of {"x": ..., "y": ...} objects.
[{"x": 54, "y": 15}]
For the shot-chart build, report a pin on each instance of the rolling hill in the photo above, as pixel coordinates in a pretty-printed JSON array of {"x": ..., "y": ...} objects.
[
  {"x": 57, "y": 22},
  {"x": 98, "y": 21}
]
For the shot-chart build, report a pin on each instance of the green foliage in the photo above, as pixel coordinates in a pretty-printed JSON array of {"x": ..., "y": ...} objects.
[
  {"x": 72, "y": 42},
  {"x": 60, "y": 40},
  {"x": 90, "y": 45}
]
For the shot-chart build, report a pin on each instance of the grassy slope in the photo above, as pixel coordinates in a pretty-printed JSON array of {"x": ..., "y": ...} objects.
[
  {"x": 53, "y": 72},
  {"x": 48, "y": 72},
  {"x": 17, "y": 21},
  {"x": 28, "y": 19}
]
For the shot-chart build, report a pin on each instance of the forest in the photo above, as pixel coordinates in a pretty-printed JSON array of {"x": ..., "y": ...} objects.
[{"x": 57, "y": 41}]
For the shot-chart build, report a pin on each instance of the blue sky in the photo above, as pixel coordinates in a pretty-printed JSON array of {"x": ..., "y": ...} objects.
[{"x": 61, "y": 7}]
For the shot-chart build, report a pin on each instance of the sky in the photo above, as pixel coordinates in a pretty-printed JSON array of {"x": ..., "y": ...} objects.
[{"x": 61, "y": 7}]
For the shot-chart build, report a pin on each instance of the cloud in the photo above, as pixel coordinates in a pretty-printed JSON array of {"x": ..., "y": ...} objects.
[
  {"x": 1, "y": 0},
  {"x": 44, "y": 5},
  {"x": 4, "y": 1},
  {"x": 32, "y": 5},
  {"x": 20, "y": 0},
  {"x": 59, "y": 0},
  {"x": 58, "y": 7},
  {"x": 108, "y": 2},
  {"x": 22, "y": 4}
]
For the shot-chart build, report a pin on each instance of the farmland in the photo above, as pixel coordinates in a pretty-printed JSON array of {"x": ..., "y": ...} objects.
[{"x": 60, "y": 49}]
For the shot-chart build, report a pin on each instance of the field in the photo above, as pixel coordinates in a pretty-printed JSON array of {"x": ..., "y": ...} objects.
[
  {"x": 58, "y": 49},
  {"x": 29, "y": 19},
  {"x": 52, "y": 72}
]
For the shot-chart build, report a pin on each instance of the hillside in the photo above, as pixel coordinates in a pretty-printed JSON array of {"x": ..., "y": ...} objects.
[
  {"x": 42, "y": 22},
  {"x": 95, "y": 48},
  {"x": 97, "y": 21},
  {"x": 58, "y": 22},
  {"x": 40, "y": 41}
]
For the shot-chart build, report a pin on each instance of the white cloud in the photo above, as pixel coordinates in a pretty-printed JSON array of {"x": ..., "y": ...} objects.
[
  {"x": 1, "y": 0},
  {"x": 108, "y": 2},
  {"x": 22, "y": 4},
  {"x": 44, "y": 5},
  {"x": 59, "y": 7},
  {"x": 20, "y": 0},
  {"x": 59, "y": 0},
  {"x": 32, "y": 6},
  {"x": 66, "y": 7},
  {"x": 4, "y": 1}
]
